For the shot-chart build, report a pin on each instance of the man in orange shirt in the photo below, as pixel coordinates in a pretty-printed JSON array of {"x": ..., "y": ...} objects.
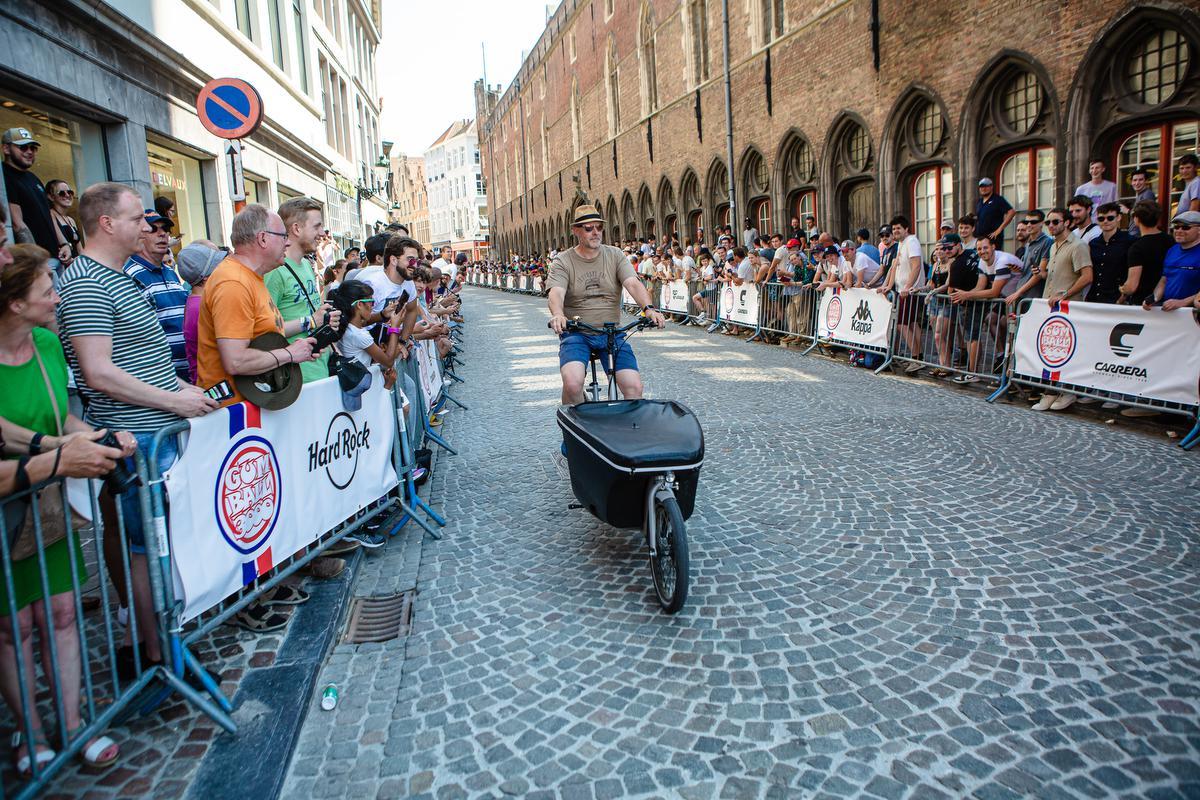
[{"x": 237, "y": 306}]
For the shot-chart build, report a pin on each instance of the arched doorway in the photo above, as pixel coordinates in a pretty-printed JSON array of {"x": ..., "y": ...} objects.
[{"x": 850, "y": 161}]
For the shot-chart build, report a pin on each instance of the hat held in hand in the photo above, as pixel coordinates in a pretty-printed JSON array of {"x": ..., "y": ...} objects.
[{"x": 278, "y": 387}]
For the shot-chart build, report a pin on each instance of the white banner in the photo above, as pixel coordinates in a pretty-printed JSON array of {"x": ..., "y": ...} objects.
[
  {"x": 1151, "y": 354},
  {"x": 539, "y": 284},
  {"x": 674, "y": 296},
  {"x": 253, "y": 486},
  {"x": 430, "y": 372},
  {"x": 508, "y": 281},
  {"x": 740, "y": 304},
  {"x": 857, "y": 316},
  {"x": 627, "y": 298}
]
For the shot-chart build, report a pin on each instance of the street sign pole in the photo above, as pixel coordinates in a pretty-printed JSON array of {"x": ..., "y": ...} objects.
[{"x": 237, "y": 179}]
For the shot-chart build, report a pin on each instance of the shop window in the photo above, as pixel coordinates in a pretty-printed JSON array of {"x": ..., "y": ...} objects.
[
  {"x": 1145, "y": 150},
  {"x": 932, "y": 201},
  {"x": 1026, "y": 181},
  {"x": 72, "y": 149},
  {"x": 1158, "y": 65},
  {"x": 177, "y": 176}
]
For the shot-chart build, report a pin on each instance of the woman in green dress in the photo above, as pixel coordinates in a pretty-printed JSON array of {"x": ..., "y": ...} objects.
[{"x": 33, "y": 374}]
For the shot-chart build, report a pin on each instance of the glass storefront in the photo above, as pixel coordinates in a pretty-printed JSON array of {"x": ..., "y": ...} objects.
[
  {"x": 72, "y": 149},
  {"x": 177, "y": 176}
]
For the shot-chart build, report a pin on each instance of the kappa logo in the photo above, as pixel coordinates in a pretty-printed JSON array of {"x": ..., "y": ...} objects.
[
  {"x": 861, "y": 321},
  {"x": 1056, "y": 341},
  {"x": 1116, "y": 337},
  {"x": 833, "y": 313},
  {"x": 339, "y": 454},
  {"x": 248, "y": 494}
]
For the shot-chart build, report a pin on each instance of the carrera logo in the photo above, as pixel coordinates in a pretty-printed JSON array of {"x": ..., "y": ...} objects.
[
  {"x": 862, "y": 320},
  {"x": 339, "y": 453},
  {"x": 1056, "y": 341},
  {"x": 833, "y": 314},
  {"x": 248, "y": 494},
  {"x": 1116, "y": 337}
]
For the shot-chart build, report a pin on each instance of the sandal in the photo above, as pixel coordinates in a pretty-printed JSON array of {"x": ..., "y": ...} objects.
[
  {"x": 285, "y": 595},
  {"x": 90, "y": 756},
  {"x": 43, "y": 757},
  {"x": 259, "y": 618}
]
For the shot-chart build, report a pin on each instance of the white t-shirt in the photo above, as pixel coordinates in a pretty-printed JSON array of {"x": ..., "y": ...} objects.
[
  {"x": 354, "y": 344},
  {"x": 1190, "y": 192},
  {"x": 706, "y": 274},
  {"x": 1086, "y": 237},
  {"x": 1004, "y": 267},
  {"x": 447, "y": 267},
  {"x": 745, "y": 271},
  {"x": 865, "y": 267},
  {"x": 384, "y": 290},
  {"x": 1104, "y": 192},
  {"x": 910, "y": 248},
  {"x": 646, "y": 267}
]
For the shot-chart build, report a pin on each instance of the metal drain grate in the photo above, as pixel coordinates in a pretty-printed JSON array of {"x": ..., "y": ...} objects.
[{"x": 379, "y": 619}]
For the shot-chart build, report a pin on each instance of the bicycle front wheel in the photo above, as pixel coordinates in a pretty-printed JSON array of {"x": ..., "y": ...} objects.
[{"x": 669, "y": 566}]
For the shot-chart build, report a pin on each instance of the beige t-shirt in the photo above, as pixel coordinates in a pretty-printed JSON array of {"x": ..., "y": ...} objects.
[
  {"x": 1067, "y": 260},
  {"x": 593, "y": 286}
]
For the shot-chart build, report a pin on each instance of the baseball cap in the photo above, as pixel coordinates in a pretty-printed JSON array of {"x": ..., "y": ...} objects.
[
  {"x": 1189, "y": 217},
  {"x": 885, "y": 230},
  {"x": 832, "y": 251},
  {"x": 19, "y": 136},
  {"x": 950, "y": 238},
  {"x": 358, "y": 383},
  {"x": 153, "y": 218},
  {"x": 947, "y": 223},
  {"x": 985, "y": 181},
  {"x": 197, "y": 261},
  {"x": 793, "y": 242}
]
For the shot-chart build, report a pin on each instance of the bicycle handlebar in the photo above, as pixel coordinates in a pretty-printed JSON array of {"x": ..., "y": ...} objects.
[{"x": 576, "y": 325}]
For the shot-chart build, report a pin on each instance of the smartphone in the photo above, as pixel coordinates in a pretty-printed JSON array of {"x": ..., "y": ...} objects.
[{"x": 220, "y": 392}]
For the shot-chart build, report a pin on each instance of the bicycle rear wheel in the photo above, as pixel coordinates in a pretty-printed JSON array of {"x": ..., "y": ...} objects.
[{"x": 669, "y": 566}]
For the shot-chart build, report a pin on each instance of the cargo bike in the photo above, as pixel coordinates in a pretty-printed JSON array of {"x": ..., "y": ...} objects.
[{"x": 635, "y": 463}]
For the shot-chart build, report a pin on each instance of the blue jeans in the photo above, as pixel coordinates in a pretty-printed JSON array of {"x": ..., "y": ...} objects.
[{"x": 130, "y": 504}]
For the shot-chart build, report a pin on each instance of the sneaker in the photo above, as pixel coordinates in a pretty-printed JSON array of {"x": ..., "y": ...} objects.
[
  {"x": 367, "y": 539},
  {"x": 1087, "y": 401},
  {"x": 1045, "y": 403},
  {"x": 1133, "y": 411},
  {"x": 1063, "y": 402},
  {"x": 701, "y": 318},
  {"x": 913, "y": 368},
  {"x": 343, "y": 548},
  {"x": 959, "y": 379},
  {"x": 963, "y": 380},
  {"x": 325, "y": 568},
  {"x": 419, "y": 475}
]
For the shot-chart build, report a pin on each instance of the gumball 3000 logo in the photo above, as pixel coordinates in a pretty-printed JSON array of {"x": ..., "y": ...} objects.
[
  {"x": 248, "y": 494},
  {"x": 1056, "y": 341},
  {"x": 833, "y": 314}
]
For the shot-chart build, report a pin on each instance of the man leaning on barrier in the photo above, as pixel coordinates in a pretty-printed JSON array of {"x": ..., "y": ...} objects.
[
  {"x": 122, "y": 363},
  {"x": 47, "y": 443}
]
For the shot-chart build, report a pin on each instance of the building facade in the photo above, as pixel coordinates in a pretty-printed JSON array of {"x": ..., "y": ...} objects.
[
  {"x": 851, "y": 111},
  {"x": 410, "y": 202},
  {"x": 109, "y": 89},
  {"x": 457, "y": 194}
]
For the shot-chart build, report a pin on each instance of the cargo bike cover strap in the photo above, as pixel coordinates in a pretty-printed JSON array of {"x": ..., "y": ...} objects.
[{"x": 637, "y": 435}]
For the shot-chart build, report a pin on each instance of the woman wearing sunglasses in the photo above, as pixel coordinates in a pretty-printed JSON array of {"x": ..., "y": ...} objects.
[{"x": 62, "y": 198}]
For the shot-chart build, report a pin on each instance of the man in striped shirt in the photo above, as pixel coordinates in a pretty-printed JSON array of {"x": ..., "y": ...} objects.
[
  {"x": 122, "y": 365},
  {"x": 161, "y": 285}
]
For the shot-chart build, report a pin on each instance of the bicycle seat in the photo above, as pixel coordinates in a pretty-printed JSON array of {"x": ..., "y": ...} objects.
[{"x": 637, "y": 434}]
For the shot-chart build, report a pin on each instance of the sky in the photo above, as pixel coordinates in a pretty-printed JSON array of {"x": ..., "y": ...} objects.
[{"x": 430, "y": 58}]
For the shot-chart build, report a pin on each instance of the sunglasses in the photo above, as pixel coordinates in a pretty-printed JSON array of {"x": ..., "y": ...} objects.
[
  {"x": 411, "y": 260},
  {"x": 31, "y": 146},
  {"x": 1181, "y": 226},
  {"x": 1054, "y": 222},
  {"x": 64, "y": 193},
  {"x": 366, "y": 300},
  {"x": 1107, "y": 218},
  {"x": 590, "y": 228},
  {"x": 1032, "y": 222}
]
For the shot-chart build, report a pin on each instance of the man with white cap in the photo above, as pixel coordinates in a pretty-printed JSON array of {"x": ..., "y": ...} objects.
[
  {"x": 28, "y": 204},
  {"x": 992, "y": 213}
]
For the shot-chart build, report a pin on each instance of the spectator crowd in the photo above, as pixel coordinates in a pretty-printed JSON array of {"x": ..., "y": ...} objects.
[{"x": 110, "y": 331}]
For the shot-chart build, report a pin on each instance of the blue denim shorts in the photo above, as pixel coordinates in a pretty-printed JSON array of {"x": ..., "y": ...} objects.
[
  {"x": 579, "y": 347},
  {"x": 131, "y": 506}
]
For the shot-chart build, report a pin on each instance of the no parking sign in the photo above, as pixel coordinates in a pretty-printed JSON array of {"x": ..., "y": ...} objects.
[{"x": 231, "y": 108}]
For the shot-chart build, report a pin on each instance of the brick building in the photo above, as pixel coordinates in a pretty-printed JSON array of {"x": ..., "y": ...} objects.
[
  {"x": 835, "y": 112},
  {"x": 410, "y": 203}
]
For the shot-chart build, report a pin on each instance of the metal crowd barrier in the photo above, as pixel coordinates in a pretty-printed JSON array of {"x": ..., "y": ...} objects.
[
  {"x": 972, "y": 339},
  {"x": 788, "y": 310}
]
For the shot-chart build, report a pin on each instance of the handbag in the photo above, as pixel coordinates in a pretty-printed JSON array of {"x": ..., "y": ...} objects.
[{"x": 50, "y": 501}]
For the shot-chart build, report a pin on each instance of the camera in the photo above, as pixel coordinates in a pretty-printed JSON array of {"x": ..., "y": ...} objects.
[
  {"x": 324, "y": 335},
  {"x": 120, "y": 479}
]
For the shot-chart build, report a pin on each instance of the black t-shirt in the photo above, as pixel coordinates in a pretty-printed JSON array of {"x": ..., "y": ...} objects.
[
  {"x": 990, "y": 213},
  {"x": 1148, "y": 253},
  {"x": 964, "y": 271},
  {"x": 1110, "y": 266},
  {"x": 886, "y": 257},
  {"x": 26, "y": 191}
]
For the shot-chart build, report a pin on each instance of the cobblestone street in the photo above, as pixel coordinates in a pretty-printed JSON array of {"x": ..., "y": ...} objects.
[{"x": 897, "y": 591}]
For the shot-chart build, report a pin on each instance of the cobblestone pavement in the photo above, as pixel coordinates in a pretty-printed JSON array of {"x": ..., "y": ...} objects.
[{"x": 897, "y": 591}]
